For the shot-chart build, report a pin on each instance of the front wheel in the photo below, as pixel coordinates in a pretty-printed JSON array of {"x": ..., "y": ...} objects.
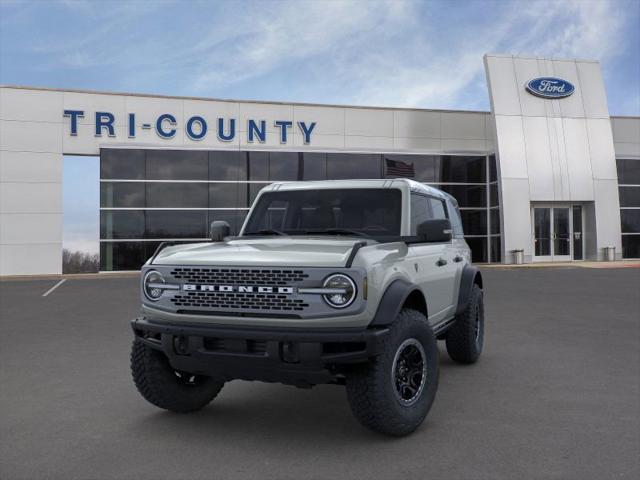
[
  {"x": 393, "y": 393},
  {"x": 165, "y": 387}
]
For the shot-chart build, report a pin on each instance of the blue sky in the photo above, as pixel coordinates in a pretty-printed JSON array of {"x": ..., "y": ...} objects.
[{"x": 391, "y": 53}]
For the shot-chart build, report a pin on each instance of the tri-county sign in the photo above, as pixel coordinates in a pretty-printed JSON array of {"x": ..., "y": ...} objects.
[
  {"x": 196, "y": 127},
  {"x": 550, "y": 87}
]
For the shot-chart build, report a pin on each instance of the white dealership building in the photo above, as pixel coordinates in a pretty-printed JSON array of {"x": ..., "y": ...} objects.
[{"x": 547, "y": 174}]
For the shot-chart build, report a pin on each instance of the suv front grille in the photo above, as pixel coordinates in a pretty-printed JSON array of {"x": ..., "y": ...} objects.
[
  {"x": 238, "y": 301},
  {"x": 236, "y": 276}
]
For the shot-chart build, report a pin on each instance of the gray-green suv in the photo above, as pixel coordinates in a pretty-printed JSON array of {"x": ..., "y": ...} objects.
[{"x": 345, "y": 282}]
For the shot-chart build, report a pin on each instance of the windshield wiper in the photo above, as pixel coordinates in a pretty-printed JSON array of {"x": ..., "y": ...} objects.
[
  {"x": 338, "y": 231},
  {"x": 266, "y": 231}
]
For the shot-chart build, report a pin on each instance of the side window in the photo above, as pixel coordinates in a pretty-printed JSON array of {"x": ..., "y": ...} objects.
[
  {"x": 420, "y": 211},
  {"x": 456, "y": 221},
  {"x": 437, "y": 207}
]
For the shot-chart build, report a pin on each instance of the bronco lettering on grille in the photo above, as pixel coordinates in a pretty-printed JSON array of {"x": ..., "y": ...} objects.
[{"x": 237, "y": 288}]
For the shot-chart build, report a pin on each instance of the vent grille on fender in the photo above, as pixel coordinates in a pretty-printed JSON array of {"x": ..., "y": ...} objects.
[
  {"x": 236, "y": 276},
  {"x": 238, "y": 301}
]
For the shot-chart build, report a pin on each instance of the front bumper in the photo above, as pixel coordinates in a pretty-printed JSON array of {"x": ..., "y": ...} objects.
[{"x": 296, "y": 356}]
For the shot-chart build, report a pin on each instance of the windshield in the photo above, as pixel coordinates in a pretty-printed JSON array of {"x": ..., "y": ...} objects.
[{"x": 366, "y": 212}]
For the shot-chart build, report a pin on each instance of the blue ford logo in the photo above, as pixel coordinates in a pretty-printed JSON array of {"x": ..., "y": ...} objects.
[{"x": 550, "y": 87}]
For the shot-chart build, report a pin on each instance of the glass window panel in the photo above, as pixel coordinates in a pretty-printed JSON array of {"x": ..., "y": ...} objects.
[
  {"x": 177, "y": 195},
  {"x": 467, "y": 195},
  {"x": 494, "y": 199},
  {"x": 629, "y": 196},
  {"x": 478, "y": 246},
  {"x": 474, "y": 222},
  {"x": 314, "y": 166},
  {"x": 494, "y": 215},
  {"x": 176, "y": 224},
  {"x": 118, "y": 195},
  {"x": 177, "y": 165},
  {"x": 628, "y": 171},
  {"x": 258, "y": 168},
  {"x": 283, "y": 166},
  {"x": 630, "y": 221},
  {"x": 121, "y": 224},
  {"x": 456, "y": 220},
  {"x": 462, "y": 169},
  {"x": 228, "y": 195},
  {"x": 493, "y": 169},
  {"x": 542, "y": 231},
  {"x": 438, "y": 209},
  {"x": 496, "y": 252},
  {"x": 353, "y": 165},
  {"x": 422, "y": 168},
  {"x": 227, "y": 165},
  {"x": 630, "y": 246},
  {"x": 124, "y": 164},
  {"x": 122, "y": 255},
  {"x": 420, "y": 211}
]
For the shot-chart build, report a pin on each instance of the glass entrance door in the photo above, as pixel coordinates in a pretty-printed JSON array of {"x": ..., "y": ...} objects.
[
  {"x": 561, "y": 234},
  {"x": 557, "y": 233}
]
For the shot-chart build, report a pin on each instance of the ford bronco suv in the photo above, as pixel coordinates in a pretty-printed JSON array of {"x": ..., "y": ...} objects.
[{"x": 349, "y": 282}]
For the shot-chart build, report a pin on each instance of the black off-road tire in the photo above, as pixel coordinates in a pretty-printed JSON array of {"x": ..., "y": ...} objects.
[
  {"x": 164, "y": 387},
  {"x": 371, "y": 388},
  {"x": 466, "y": 337}
]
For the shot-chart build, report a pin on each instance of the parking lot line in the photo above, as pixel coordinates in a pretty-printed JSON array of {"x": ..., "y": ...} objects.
[{"x": 54, "y": 287}]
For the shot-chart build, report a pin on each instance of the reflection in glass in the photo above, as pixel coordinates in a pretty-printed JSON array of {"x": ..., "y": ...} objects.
[
  {"x": 177, "y": 165},
  {"x": 496, "y": 253},
  {"x": 121, "y": 224},
  {"x": 474, "y": 222},
  {"x": 467, "y": 195},
  {"x": 629, "y": 196},
  {"x": 478, "y": 246},
  {"x": 124, "y": 164},
  {"x": 177, "y": 195},
  {"x": 283, "y": 166},
  {"x": 353, "y": 165},
  {"x": 495, "y": 220},
  {"x": 628, "y": 171},
  {"x": 630, "y": 221},
  {"x": 176, "y": 224},
  {"x": 630, "y": 246},
  {"x": 228, "y": 195},
  {"x": 314, "y": 166},
  {"x": 258, "y": 166},
  {"x": 227, "y": 165},
  {"x": 119, "y": 195},
  {"x": 122, "y": 255}
]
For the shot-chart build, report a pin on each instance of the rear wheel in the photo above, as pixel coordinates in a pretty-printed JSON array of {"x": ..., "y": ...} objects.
[
  {"x": 466, "y": 337},
  {"x": 394, "y": 393},
  {"x": 165, "y": 387}
]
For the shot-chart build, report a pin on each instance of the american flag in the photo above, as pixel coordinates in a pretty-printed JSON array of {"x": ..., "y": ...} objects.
[{"x": 397, "y": 168}]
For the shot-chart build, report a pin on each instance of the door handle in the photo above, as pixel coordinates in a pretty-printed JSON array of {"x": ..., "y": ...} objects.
[
  {"x": 441, "y": 262},
  {"x": 457, "y": 258}
]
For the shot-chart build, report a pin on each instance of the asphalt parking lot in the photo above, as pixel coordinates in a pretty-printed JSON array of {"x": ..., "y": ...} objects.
[{"x": 555, "y": 395}]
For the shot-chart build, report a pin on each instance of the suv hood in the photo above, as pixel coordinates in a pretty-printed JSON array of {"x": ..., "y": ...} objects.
[{"x": 279, "y": 251}]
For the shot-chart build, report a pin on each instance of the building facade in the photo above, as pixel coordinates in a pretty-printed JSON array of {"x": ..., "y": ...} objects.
[{"x": 546, "y": 172}]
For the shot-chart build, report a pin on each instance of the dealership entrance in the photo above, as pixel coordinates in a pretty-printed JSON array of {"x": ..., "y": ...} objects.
[{"x": 558, "y": 233}]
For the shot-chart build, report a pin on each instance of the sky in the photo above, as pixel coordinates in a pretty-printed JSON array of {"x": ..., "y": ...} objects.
[{"x": 379, "y": 53}]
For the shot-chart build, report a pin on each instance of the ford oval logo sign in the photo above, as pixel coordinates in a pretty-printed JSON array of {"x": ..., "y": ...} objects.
[{"x": 550, "y": 87}]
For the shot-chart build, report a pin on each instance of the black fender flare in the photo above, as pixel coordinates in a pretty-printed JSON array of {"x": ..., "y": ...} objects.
[
  {"x": 392, "y": 301},
  {"x": 470, "y": 275}
]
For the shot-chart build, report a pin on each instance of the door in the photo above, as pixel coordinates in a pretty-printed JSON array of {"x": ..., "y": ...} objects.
[
  {"x": 557, "y": 233},
  {"x": 542, "y": 233},
  {"x": 561, "y": 234}
]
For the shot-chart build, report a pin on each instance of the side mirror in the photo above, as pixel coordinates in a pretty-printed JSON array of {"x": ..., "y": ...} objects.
[
  {"x": 437, "y": 230},
  {"x": 219, "y": 230}
]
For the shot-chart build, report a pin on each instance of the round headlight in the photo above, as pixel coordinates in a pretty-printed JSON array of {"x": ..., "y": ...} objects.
[
  {"x": 150, "y": 285},
  {"x": 344, "y": 291}
]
